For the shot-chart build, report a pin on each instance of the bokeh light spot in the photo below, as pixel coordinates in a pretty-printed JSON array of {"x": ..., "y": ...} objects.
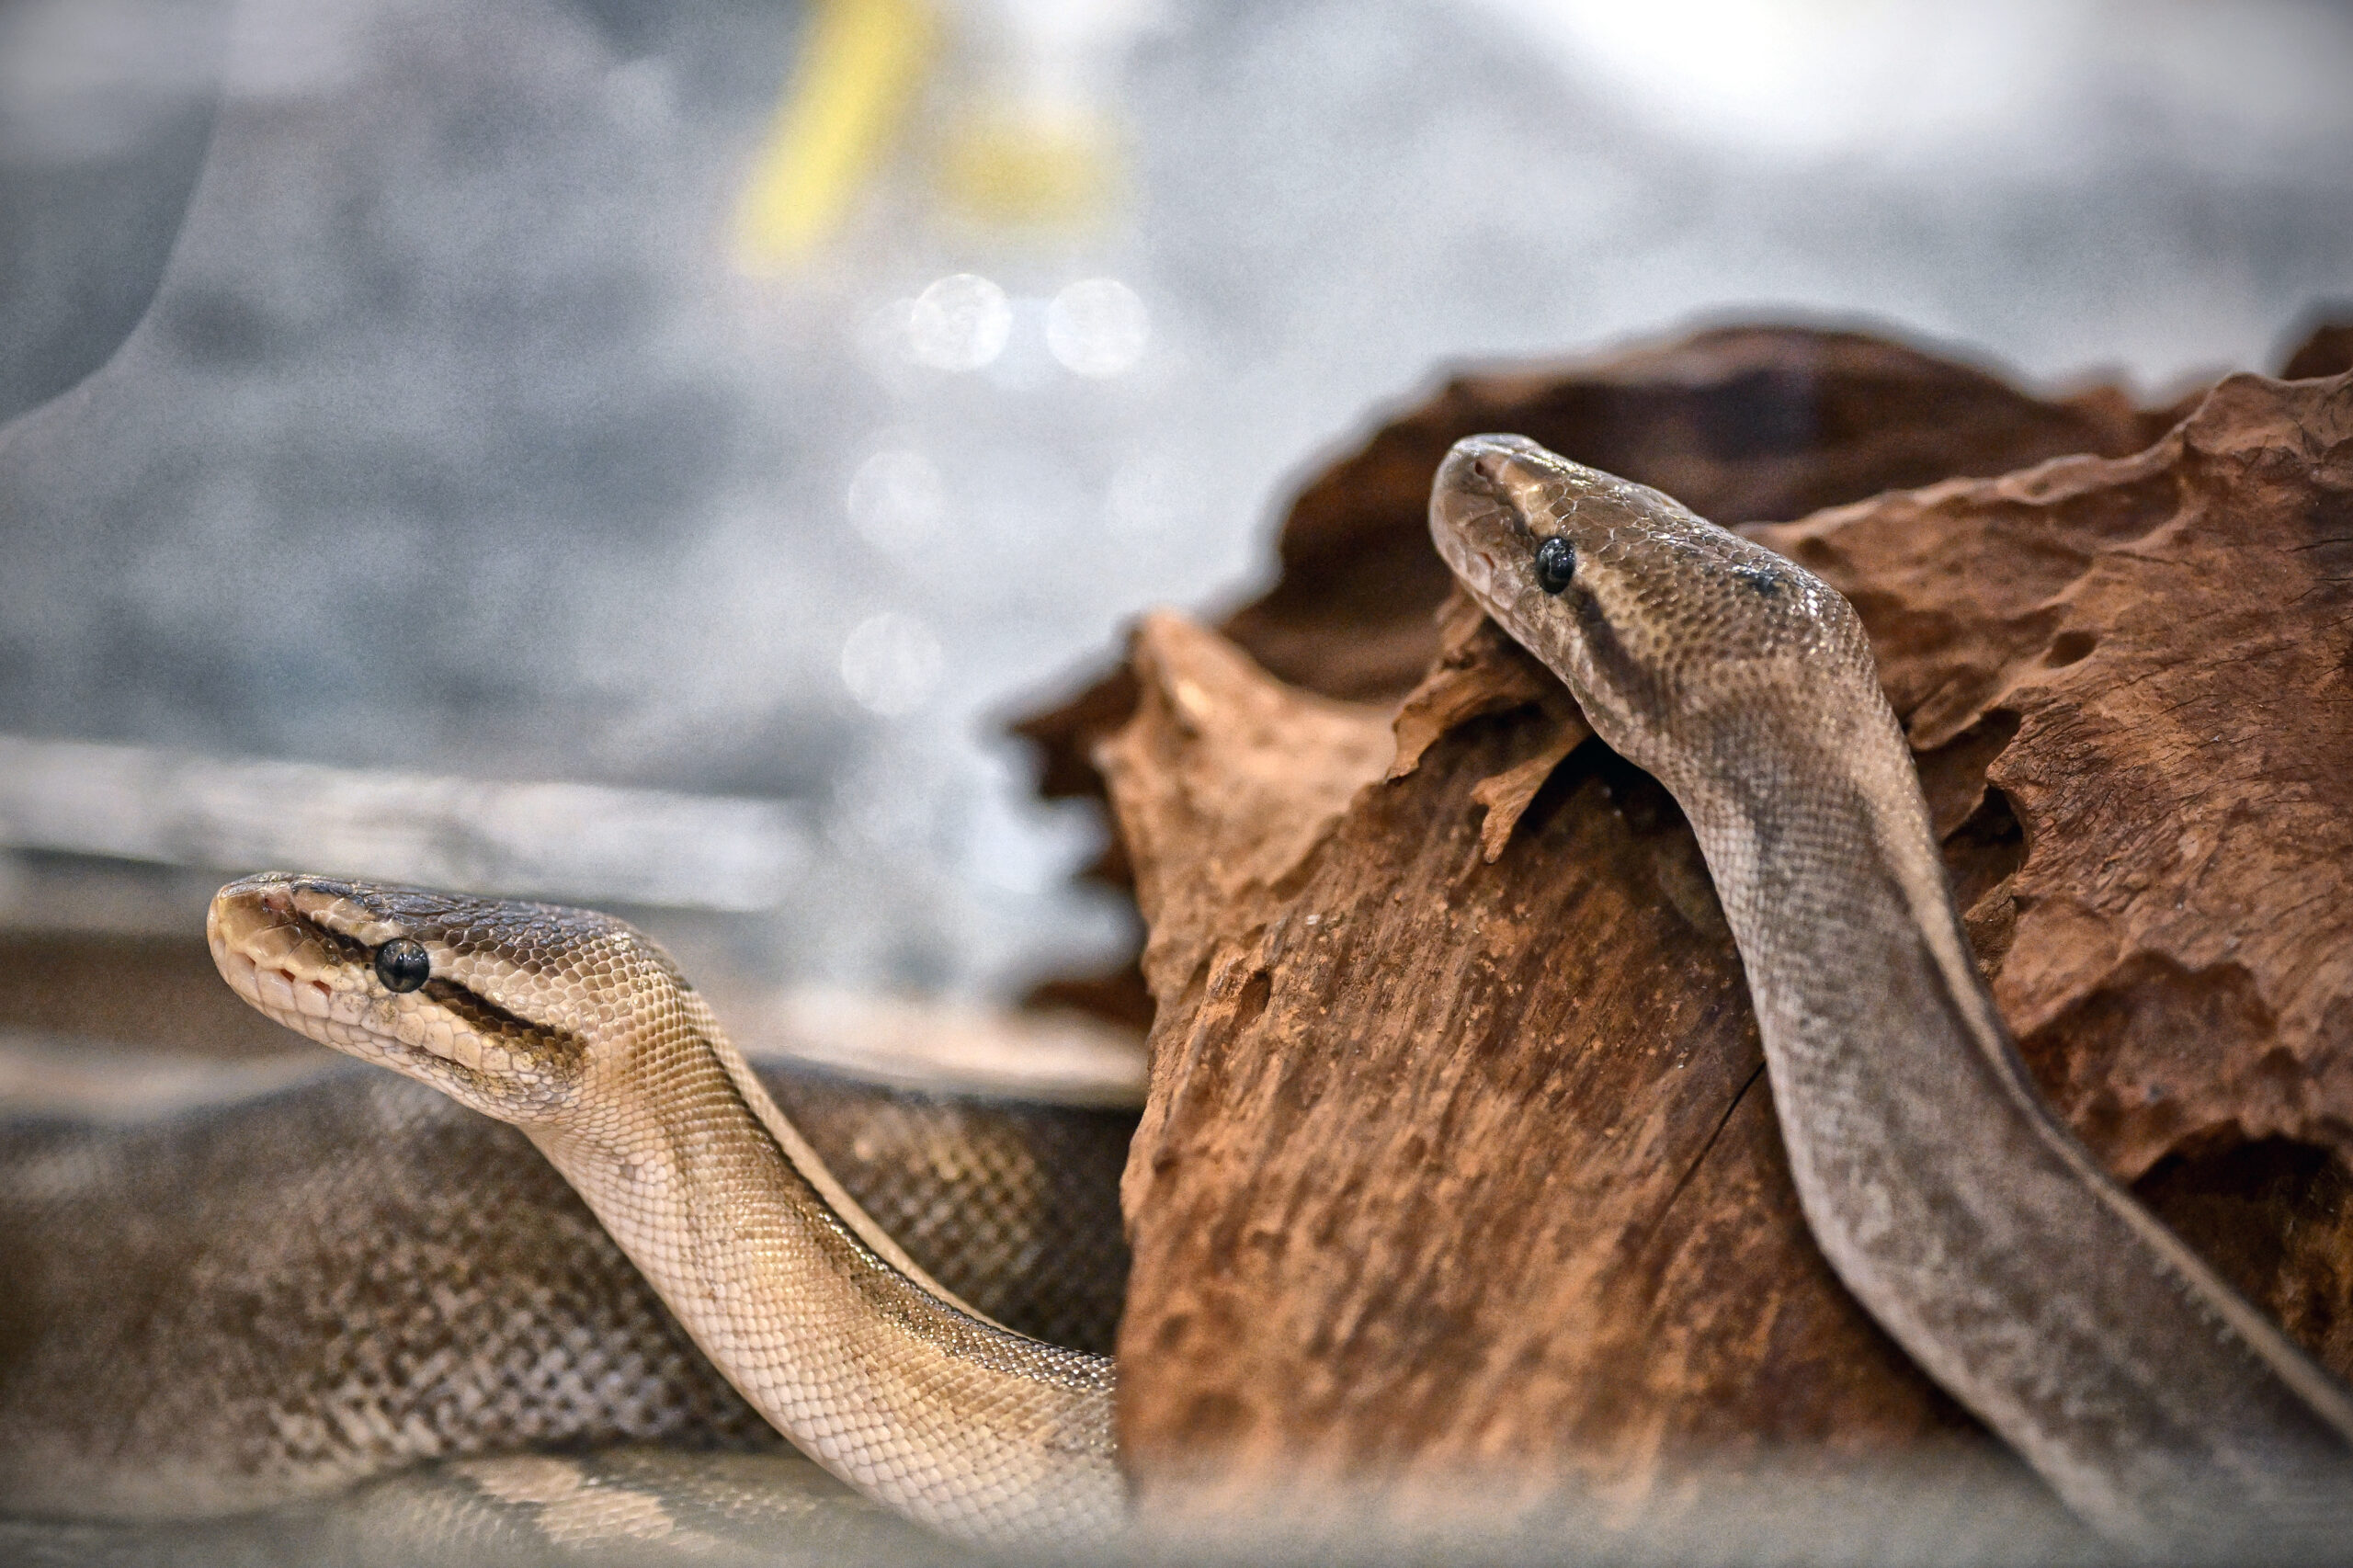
[
  {"x": 1097, "y": 327},
  {"x": 961, "y": 323},
  {"x": 896, "y": 498},
  {"x": 890, "y": 664}
]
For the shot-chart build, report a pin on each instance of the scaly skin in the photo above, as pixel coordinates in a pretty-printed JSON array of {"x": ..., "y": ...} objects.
[
  {"x": 1960, "y": 1213},
  {"x": 575, "y": 1028}
]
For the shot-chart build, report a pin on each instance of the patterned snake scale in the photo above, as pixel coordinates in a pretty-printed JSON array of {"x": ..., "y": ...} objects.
[
  {"x": 579, "y": 1030},
  {"x": 255, "y": 1301},
  {"x": 1943, "y": 1192},
  {"x": 2159, "y": 1405}
]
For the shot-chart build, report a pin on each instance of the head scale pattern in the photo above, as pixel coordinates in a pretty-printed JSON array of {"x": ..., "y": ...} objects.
[
  {"x": 1663, "y": 624},
  {"x": 504, "y": 1006}
]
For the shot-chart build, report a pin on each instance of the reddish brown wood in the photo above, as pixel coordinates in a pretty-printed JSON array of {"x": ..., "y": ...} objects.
[
  {"x": 1449, "y": 1166},
  {"x": 2154, "y": 658},
  {"x": 1741, "y": 422},
  {"x": 1457, "y": 1167}
]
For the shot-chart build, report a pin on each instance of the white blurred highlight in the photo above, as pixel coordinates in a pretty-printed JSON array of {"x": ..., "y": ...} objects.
[
  {"x": 587, "y": 842},
  {"x": 896, "y": 498},
  {"x": 961, "y": 323},
  {"x": 890, "y": 664},
  {"x": 1097, "y": 328},
  {"x": 1894, "y": 81}
]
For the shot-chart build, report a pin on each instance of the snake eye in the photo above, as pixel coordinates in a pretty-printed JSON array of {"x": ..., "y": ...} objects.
[
  {"x": 402, "y": 965},
  {"x": 1556, "y": 564}
]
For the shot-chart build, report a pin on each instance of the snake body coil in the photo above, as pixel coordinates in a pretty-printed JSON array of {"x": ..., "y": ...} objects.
[
  {"x": 248, "y": 1302},
  {"x": 575, "y": 1028}
]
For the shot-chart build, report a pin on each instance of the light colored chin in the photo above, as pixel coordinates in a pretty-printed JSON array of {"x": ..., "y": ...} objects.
[
  {"x": 271, "y": 992},
  {"x": 310, "y": 1008},
  {"x": 300, "y": 1002}
]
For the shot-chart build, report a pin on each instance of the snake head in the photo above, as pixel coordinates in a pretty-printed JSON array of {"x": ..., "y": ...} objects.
[
  {"x": 1666, "y": 627},
  {"x": 504, "y": 1007}
]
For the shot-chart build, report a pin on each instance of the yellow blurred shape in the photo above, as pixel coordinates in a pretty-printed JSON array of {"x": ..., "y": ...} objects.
[
  {"x": 860, "y": 63},
  {"x": 1016, "y": 168}
]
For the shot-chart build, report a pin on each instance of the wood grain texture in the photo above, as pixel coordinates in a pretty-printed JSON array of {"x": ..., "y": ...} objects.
[
  {"x": 1740, "y": 423},
  {"x": 1450, "y": 1169},
  {"x": 1458, "y": 1168},
  {"x": 2152, "y": 657}
]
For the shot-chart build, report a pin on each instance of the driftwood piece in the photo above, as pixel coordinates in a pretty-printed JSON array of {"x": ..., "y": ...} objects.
[
  {"x": 1453, "y": 1166},
  {"x": 1449, "y": 1166},
  {"x": 1742, "y": 424},
  {"x": 2326, "y": 348},
  {"x": 2147, "y": 666}
]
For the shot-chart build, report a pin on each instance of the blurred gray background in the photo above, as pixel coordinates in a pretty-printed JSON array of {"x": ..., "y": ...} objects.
[{"x": 388, "y": 395}]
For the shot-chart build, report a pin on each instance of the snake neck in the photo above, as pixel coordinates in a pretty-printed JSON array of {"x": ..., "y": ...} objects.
[
  {"x": 1824, "y": 858},
  {"x": 823, "y": 1324},
  {"x": 1946, "y": 1196}
]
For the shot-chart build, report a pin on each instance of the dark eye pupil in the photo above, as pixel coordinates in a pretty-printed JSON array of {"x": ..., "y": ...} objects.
[
  {"x": 1556, "y": 564},
  {"x": 402, "y": 965}
]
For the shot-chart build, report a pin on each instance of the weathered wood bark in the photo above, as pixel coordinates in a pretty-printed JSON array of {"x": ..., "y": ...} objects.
[
  {"x": 2326, "y": 348},
  {"x": 2149, "y": 664},
  {"x": 1746, "y": 424},
  {"x": 1742, "y": 424},
  {"x": 1449, "y": 1167},
  {"x": 1459, "y": 1167}
]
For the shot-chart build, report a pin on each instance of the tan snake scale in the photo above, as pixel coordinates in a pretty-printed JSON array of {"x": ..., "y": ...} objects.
[
  {"x": 1958, "y": 1210},
  {"x": 242, "y": 1305}
]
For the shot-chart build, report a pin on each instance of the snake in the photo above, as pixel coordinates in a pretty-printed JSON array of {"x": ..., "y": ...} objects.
[
  {"x": 267, "y": 1290},
  {"x": 579, "y": 1030},
  {"x": 1946, "y": 1197}
]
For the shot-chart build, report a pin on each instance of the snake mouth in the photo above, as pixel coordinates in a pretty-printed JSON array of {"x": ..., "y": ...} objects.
[
  {"x": 299, "y": 971},
  {"x": 272, "y": 956},
  {"x": 314, "y": 981},
  {"x": 1475, "y": 523}
]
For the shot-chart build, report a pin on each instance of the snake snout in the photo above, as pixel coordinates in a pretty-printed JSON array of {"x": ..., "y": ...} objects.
[{"x": 269, "y": 956}]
